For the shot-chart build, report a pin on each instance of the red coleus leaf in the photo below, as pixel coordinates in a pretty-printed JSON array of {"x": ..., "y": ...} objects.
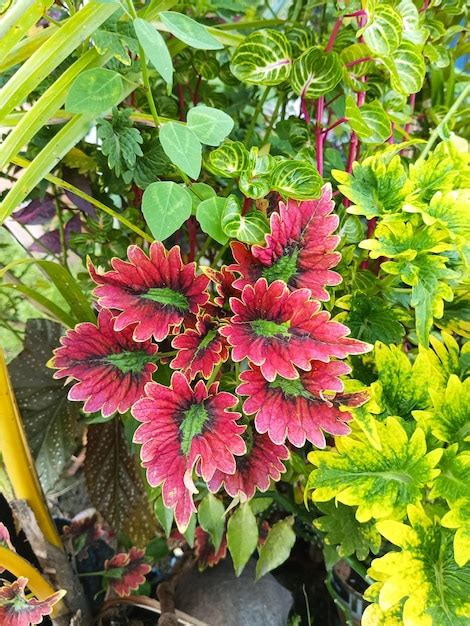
[
  {"x": 84, "y": 530},
  {"x": 297, "y": 410},
  {"x": 5, "y": 541},
  {"x": 204, "y": 549},
  {"x": 299, "y": 250},
  {"x": 182, "y": 427},
  {"x": 200, "y": 349},
  {"x": 255, "y": 469},
  {"x": 278, "y": 330},
  {"x": 110, "y": 367},
  {"x": 223, "y": 280},
  {"x": 153, "y": 292},
  {"x": 17, "y": 610},
  {"x": 126, "y": 571}
]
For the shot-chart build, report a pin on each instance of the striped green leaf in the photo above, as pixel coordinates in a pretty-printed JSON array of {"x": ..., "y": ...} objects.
[
  {"x": 254, "y": 180},
  {"x": 249, "y": 228},
  {"x": 228, "y": 160},
  {"x": 370, "y": 122},
  {"x": 264, "y": 58},
  {"x": 299, "y": 180},
  {"x": 412, "y": 29},
  {"x": 383, "y": 31},
  {"x": 57, "y": 48},
  {"x": 407, "y": 68},
  {"x": 353, "y": 54},
  {"x": 315, "y": 73}
]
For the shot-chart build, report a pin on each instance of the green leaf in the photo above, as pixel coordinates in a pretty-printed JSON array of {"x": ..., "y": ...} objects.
[
  {"x": 166, "y": 206},
  {"x": 120, "y": 141},
  {"x": 242, "y": 536},
  {"x": 209, "y": 215},
  {"x": 372, "y": 319},
  {"x": 182, "y": 147},
  {"x": 459, "y": 517},
  {"x": 449, "y": 210},
  {"x": 200, "y": 192},
  {"x": 51, "y": 421},
  {"x": 423, "y": 573},
  {"x": 155, "y": 49},
  {"x": 450, "y": 419},
  {"x": 228, "y": 160},
  {"x": 277, "y": 547},
  {"x": 188, "y": 30},
  {"x": 190, "y": 531},
  {"x": 264, "y": 58},
  {"x": 114, "y": 39},
  {"x": 67, "y": 286},
  {"x": 407, "y": 68},
  {"x": 94, "y": 91},
  {"x": 375, "y": 187},
  {"x": 211, "y": 518},
  {"x": 249, "y": 228},
  {"x": 352, "y": 74},
  {"x": 115, "y": 485},
  {"x": 381, "y": 483},
  {"x": 164, "y": 515},
  {"x": 383, "y": 30},
  {"x": 342, "y": 530},
  {"x": 210, "y": 125},
  {"x": 254, "y": 180},
  {"x": 315, "y": 73},
  {"x": 453, "y": 483},
  {"x": 370, "y": 122},
  {"x": 299, "y": 180},
  {"x": 412, "y": 29},
  {"x": 438, "y": 172}
]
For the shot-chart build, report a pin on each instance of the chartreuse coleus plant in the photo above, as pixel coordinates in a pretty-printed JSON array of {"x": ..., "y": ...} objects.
[{"x": 273, "y": 211}]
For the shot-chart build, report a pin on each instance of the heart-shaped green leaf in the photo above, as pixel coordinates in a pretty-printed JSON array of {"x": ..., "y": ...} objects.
[
  {"x": 210, "y": 125},
  {"x": 188, "y": 30},
  {"x": 209, "y": 215},
  {"x": 166, "y": 206},
  {"x": 182, "y": 147},
  {"x": 155, "y": 48},
  {"x": 315, "y": 73},
  {"x": 249, "y": 228},
  {"x": 383, "y": 31},
  {"x": 264, "y": 58},
  {"x": 407, "y": 68},
  {"x": 94, "y": 91},
  {"x": 228, "y": 160},
  {"x": 242, "y": 536},
  {"x": 299, "y": 180}
]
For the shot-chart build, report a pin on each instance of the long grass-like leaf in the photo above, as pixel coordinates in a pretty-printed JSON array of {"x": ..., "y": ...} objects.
[
  {"x": 19, "y": 18},
  {"x": 57, "y": 48},
  {"x": 43, "y": 304},
  {"x": 46, "y": 106},
  {"x": 26, "y": 48}
]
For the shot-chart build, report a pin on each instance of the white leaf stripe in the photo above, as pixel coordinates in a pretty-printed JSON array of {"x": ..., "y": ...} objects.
[
  {"x": 315, "y": 73},
  {"x": 265, "y": 58}
]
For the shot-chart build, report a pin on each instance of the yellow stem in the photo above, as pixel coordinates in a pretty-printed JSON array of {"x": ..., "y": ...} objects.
[
  {"x": 18, "y": 566},
  {"x": 18, "y": 461}
]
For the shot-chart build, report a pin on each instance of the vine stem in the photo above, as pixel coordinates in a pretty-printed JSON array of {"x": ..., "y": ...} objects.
[
  {"x": 254, "y": 119},
  {"x": 273, "y": 118},
  {"x": 145, "y": 75},
  {"x": 319, "y": 134},
  {"x": 435, "y": 134}
]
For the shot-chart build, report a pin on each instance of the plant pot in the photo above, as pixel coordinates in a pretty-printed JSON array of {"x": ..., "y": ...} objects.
[{"x": 349, "y": 587}]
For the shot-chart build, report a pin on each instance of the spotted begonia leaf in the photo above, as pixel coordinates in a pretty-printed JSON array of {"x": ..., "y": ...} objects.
[
  {"x": 423, "y": 573},
  {"x": 381, "y": 483}
]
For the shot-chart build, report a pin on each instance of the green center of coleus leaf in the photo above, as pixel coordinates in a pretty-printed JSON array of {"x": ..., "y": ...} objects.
[
  {"x": 291, "y": 388},
  {"x": 283, "y": 269},
  {"x": 126, "y": 362},
  {"x": 268, "y": 328},
  {"x": 192, "y": 424},
  {"x": 207, "y": 340},
  {"x": 167, "y": 297}
]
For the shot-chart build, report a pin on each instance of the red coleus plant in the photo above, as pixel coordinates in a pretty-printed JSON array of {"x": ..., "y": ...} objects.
[
  {"x": 264, "y": 312},
  {"x": 126, "y": 571},
  {"x": 18, "y": 610},
  {"x": 204, "y": 549}
]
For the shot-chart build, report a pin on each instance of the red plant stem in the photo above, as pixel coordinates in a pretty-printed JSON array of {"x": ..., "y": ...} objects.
[
  {"x": 334, "y": 33},
  {"x": 337, "y": 123},
  {"x": 181, "y": 103},
  {"x": 192, "y": 234},
  {"x": 360, "y": 13},
  {"x": 357, "y": 61},
  {"x": 304, "y": 110},
  {"x": 196, "y": 90},
  {"x": 426, "y": 4},
  {"x": 412, "y": 107},
  {"x": 391, "y": 138},
  {"x": 320, "y": 136}
]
